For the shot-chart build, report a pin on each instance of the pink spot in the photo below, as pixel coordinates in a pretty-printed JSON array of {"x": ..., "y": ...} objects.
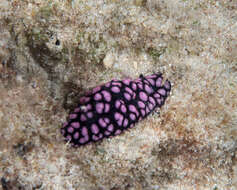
[
  {"x": 70, "y": 129},
  {"x": 134, "y": 96},
  {"x": 140, "y": 86},
  {"x": 69, "y": 138},
  {"x": 132, "y": 116},
  {"x": 86, "y": 137},
  {"x": 65, "y": 124},
  {"x": 110, "y": 127},
  {"x": 94, "y": 129},
  {"x": 159, "y": 101},
  {"x": 63, "y": 131},
  {"x": 108, "y": 84},
  {"x": 83, "y": 117},
  {"x": 159, "y": 82},
  {"x": 76, "y": 135},
  {"x": 107, "y": 95},
  {"x": 152, "y": 100},
  {"x": 117, "y": 103},
  {"x": 77, "y": 110},
  {"x": 95, "y": 138},
  {"x": 151, "y": 81},
  {"x": 146, "y": 82},
  {"x": 137, "y": 80},
  {"x": 141, "y": 104},
  {"x": 72, "y": 116},
  {"x": 167, "y": 85},
  {"x": 88, "y": 107},
  {"x": 107, "y": 106},
  {"x": 117, "y": 83},
  {"x": 134, "y": 86},
  {"x": 129, "y": 90},
  {"x": 120, "y": 121},
  {"x": 132, "y": 108},
  {"x": 126, "y": 81},
  {"x": 106, "y": 120},
  {"x": 156, "y": 95},
  {"x": 123, "y": 109},
  {"x": 96, "y": 89},
  {"x": 89, "y": 114},
  {"x": 117, "y": 132},
  {"x": 99, "y": 107},
  {"x": 75, "y": 124},
  {"x": 102, "y": 123},
  {"x": 143, "y": 96},
  {"x": 151, "y": 106},
  {"x": 84, "y": 131},
  {"x": 148, "y": 89},
  {"x": 100, "y": 135},
  {"x": 127, "y": 96},
  {"x": 82, "y": 140},
  {"x": 147, "y": 110},
  {"x": 119, "y": 118},
  {"x": 125, "y": 123},
  {"x": 143, "y": 112},
  {"x": 107, "y": 133},
  {"x": 84, "y": 99},
  {"x": 97, "y": 97},
  {"x": 162, "y": 92},
  {"x": 115, "y": 89},
  {"x": 151, "y": 76}
]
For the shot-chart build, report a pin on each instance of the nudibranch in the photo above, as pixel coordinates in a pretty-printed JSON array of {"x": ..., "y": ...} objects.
[{"x": 109, "y": 109}]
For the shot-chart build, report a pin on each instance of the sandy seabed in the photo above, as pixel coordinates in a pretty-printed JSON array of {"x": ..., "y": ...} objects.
[{"x": 51, "y": 52}]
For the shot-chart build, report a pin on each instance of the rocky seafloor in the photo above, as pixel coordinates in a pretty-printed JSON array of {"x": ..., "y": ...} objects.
[{"x": 52, "y": 52}]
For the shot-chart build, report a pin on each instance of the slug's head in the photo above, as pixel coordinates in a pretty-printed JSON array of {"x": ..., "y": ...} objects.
[{"x": 160, "y": 89}]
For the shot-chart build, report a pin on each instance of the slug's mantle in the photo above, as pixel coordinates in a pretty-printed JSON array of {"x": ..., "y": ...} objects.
[{"x": 110, "y": 109}]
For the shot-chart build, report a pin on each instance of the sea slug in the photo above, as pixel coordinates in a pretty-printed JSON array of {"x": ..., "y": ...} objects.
[{"x": 110, "y": 109}]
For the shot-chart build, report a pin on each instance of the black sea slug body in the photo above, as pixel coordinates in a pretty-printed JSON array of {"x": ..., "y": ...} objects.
[{"x": 109, "y": 109}]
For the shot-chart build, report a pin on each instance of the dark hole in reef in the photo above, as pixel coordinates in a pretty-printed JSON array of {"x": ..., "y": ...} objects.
[
  {"x": 22, "y": 149},
  {"x": 4, "y": 63},
  {"x": 57, "y": 43},
  {"x": 11, "y": 184},
  {"x": 4, "y": 183}
]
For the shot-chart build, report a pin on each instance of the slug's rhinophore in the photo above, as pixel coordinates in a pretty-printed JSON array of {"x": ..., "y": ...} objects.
[{"x": 109, "y": 109}]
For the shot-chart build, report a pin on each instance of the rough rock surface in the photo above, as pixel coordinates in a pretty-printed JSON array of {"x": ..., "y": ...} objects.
[{"x": 51, "y": 52}]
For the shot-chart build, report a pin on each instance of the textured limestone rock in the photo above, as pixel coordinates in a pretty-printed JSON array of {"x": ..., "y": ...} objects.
[{"x": 51, "y": 52}]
